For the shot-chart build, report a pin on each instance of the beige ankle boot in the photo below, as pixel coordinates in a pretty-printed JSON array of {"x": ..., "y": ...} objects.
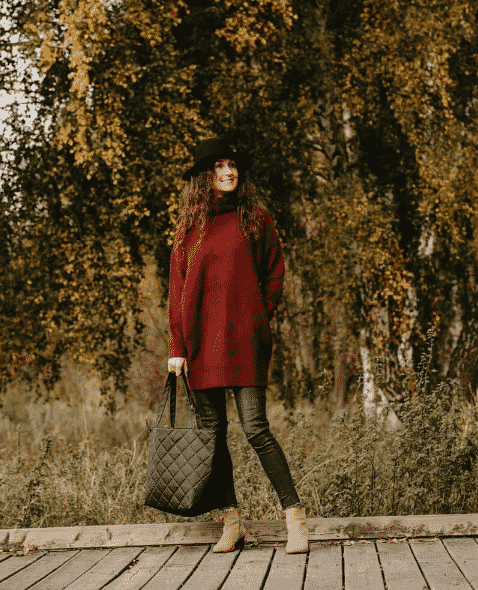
[
  {"x": 298, "y": 533},
  {"x": 233, "y": 533}
]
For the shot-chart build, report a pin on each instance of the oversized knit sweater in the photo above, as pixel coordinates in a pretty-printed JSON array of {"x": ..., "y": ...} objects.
[{"x": 223, "y": 292}]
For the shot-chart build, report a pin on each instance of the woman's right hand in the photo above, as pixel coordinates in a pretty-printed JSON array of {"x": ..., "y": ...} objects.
[{"x": 175, "y": 365}]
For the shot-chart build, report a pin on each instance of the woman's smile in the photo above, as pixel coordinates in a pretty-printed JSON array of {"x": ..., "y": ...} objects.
[{"x": 225, "y": 177}]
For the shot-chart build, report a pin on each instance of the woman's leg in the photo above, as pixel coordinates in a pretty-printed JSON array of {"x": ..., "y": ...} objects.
[
  {"x": 251, "y": 407},
  {"x": 211, "y": 413}
]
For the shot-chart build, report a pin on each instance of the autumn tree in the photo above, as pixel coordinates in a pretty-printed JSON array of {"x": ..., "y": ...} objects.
[
  {"x": 91, "y": 183},
  {"x": 411, "y": 91},
  {"x": 360, "y": 117}
]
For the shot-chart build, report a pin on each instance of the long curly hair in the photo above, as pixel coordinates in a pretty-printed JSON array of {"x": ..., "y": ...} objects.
[{"x": 197, "y": 203}]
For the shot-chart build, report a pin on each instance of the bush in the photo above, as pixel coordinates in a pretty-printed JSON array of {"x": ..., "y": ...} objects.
[{"x": 428, "y": 466}]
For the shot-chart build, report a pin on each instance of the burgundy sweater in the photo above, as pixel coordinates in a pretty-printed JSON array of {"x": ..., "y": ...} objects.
[{"x": 222, "y": 295}]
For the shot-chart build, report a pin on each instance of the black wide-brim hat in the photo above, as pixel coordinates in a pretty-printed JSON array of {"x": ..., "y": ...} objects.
[{"x": 209, "y": 151}]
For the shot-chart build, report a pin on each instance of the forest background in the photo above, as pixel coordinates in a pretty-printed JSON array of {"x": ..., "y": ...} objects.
[{"x": 361, "y": 118}]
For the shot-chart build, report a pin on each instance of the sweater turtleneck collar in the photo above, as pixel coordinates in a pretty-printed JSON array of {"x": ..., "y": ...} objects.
[{"x": 225, "y": 204}]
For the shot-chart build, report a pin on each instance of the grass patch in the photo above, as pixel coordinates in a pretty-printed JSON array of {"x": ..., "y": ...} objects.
[{"x": 69, "y": 464}]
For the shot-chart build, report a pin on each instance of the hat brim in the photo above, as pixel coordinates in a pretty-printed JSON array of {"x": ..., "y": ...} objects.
[{"x": 242, "y": 159}]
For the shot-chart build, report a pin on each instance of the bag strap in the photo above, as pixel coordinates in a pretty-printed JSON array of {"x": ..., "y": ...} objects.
[{"x": 170, "y": 393}]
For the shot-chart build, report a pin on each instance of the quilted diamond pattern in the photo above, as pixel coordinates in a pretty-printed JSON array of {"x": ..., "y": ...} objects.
[
  {"x": 180, "y": 462},
  {"x": 183, "y": 476}
]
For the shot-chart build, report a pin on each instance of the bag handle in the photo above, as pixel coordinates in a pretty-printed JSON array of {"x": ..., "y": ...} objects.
[{"x": 170, "y": 393}]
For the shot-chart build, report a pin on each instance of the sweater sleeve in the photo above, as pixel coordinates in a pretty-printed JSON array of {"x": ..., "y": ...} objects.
[
  {"x": 272, "y": 269},
  {"x": 176, "y": 347}
]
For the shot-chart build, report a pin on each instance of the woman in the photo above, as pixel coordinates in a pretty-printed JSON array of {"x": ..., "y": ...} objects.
[{"x": 226, "y": 279}]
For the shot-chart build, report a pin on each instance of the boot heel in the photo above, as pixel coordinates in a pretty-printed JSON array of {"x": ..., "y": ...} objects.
[{"x": 240, "y": 543}]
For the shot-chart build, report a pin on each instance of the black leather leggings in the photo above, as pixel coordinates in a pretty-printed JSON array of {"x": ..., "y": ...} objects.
[{"x": 251, "y": 408}]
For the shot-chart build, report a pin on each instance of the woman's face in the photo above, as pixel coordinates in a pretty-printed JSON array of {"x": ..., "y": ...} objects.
[{"x": 225, "y": 177}]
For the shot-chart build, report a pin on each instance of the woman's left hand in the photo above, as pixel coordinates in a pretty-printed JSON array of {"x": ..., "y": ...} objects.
[{"x": 176, "y": 364}]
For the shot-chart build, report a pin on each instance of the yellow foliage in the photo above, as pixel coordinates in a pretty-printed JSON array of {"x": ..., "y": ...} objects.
[{"x": 126, "y": 118}]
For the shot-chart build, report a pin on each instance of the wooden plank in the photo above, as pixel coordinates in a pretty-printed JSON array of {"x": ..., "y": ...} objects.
[
  {"x": 16, "y": 563},
  {"x": 44, "y": 538},
  {"x": 148, "y": 563},
  {"x": 89, "y": 537},
  {"x": 399, "y": 566},
  {"x": 271, "y": 531},
  {"x": 361, "y": 567},
  {"x": 212, "y": 571},
  {"x": 72, "y": 570},
  {"x": 106, "y": 569},
  {"x": 465, "y": 554},
  {"x": 287, "y": 571},
  {"x": 178, "y": 568},
  {"x": 386, "y": 527},
  {"x": 38, "y": 570},
  {"x": 250, "y": 569},
  {"x": 439, "y": 569},
  {"x": 324, "y": 570}
]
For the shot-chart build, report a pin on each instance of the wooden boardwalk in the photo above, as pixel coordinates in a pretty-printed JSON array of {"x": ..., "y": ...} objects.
[{"x": 391, "y": 553}]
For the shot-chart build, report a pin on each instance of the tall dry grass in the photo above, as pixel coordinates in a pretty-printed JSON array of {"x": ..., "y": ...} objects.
[{"x": 64, "y": 462}]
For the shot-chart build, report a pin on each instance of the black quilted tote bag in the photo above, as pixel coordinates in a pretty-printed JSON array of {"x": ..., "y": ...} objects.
[{"x": 183, "y": 475}]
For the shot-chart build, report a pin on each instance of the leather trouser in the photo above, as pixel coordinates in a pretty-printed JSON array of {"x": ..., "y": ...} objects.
[{"x": 251, "y": 407}]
